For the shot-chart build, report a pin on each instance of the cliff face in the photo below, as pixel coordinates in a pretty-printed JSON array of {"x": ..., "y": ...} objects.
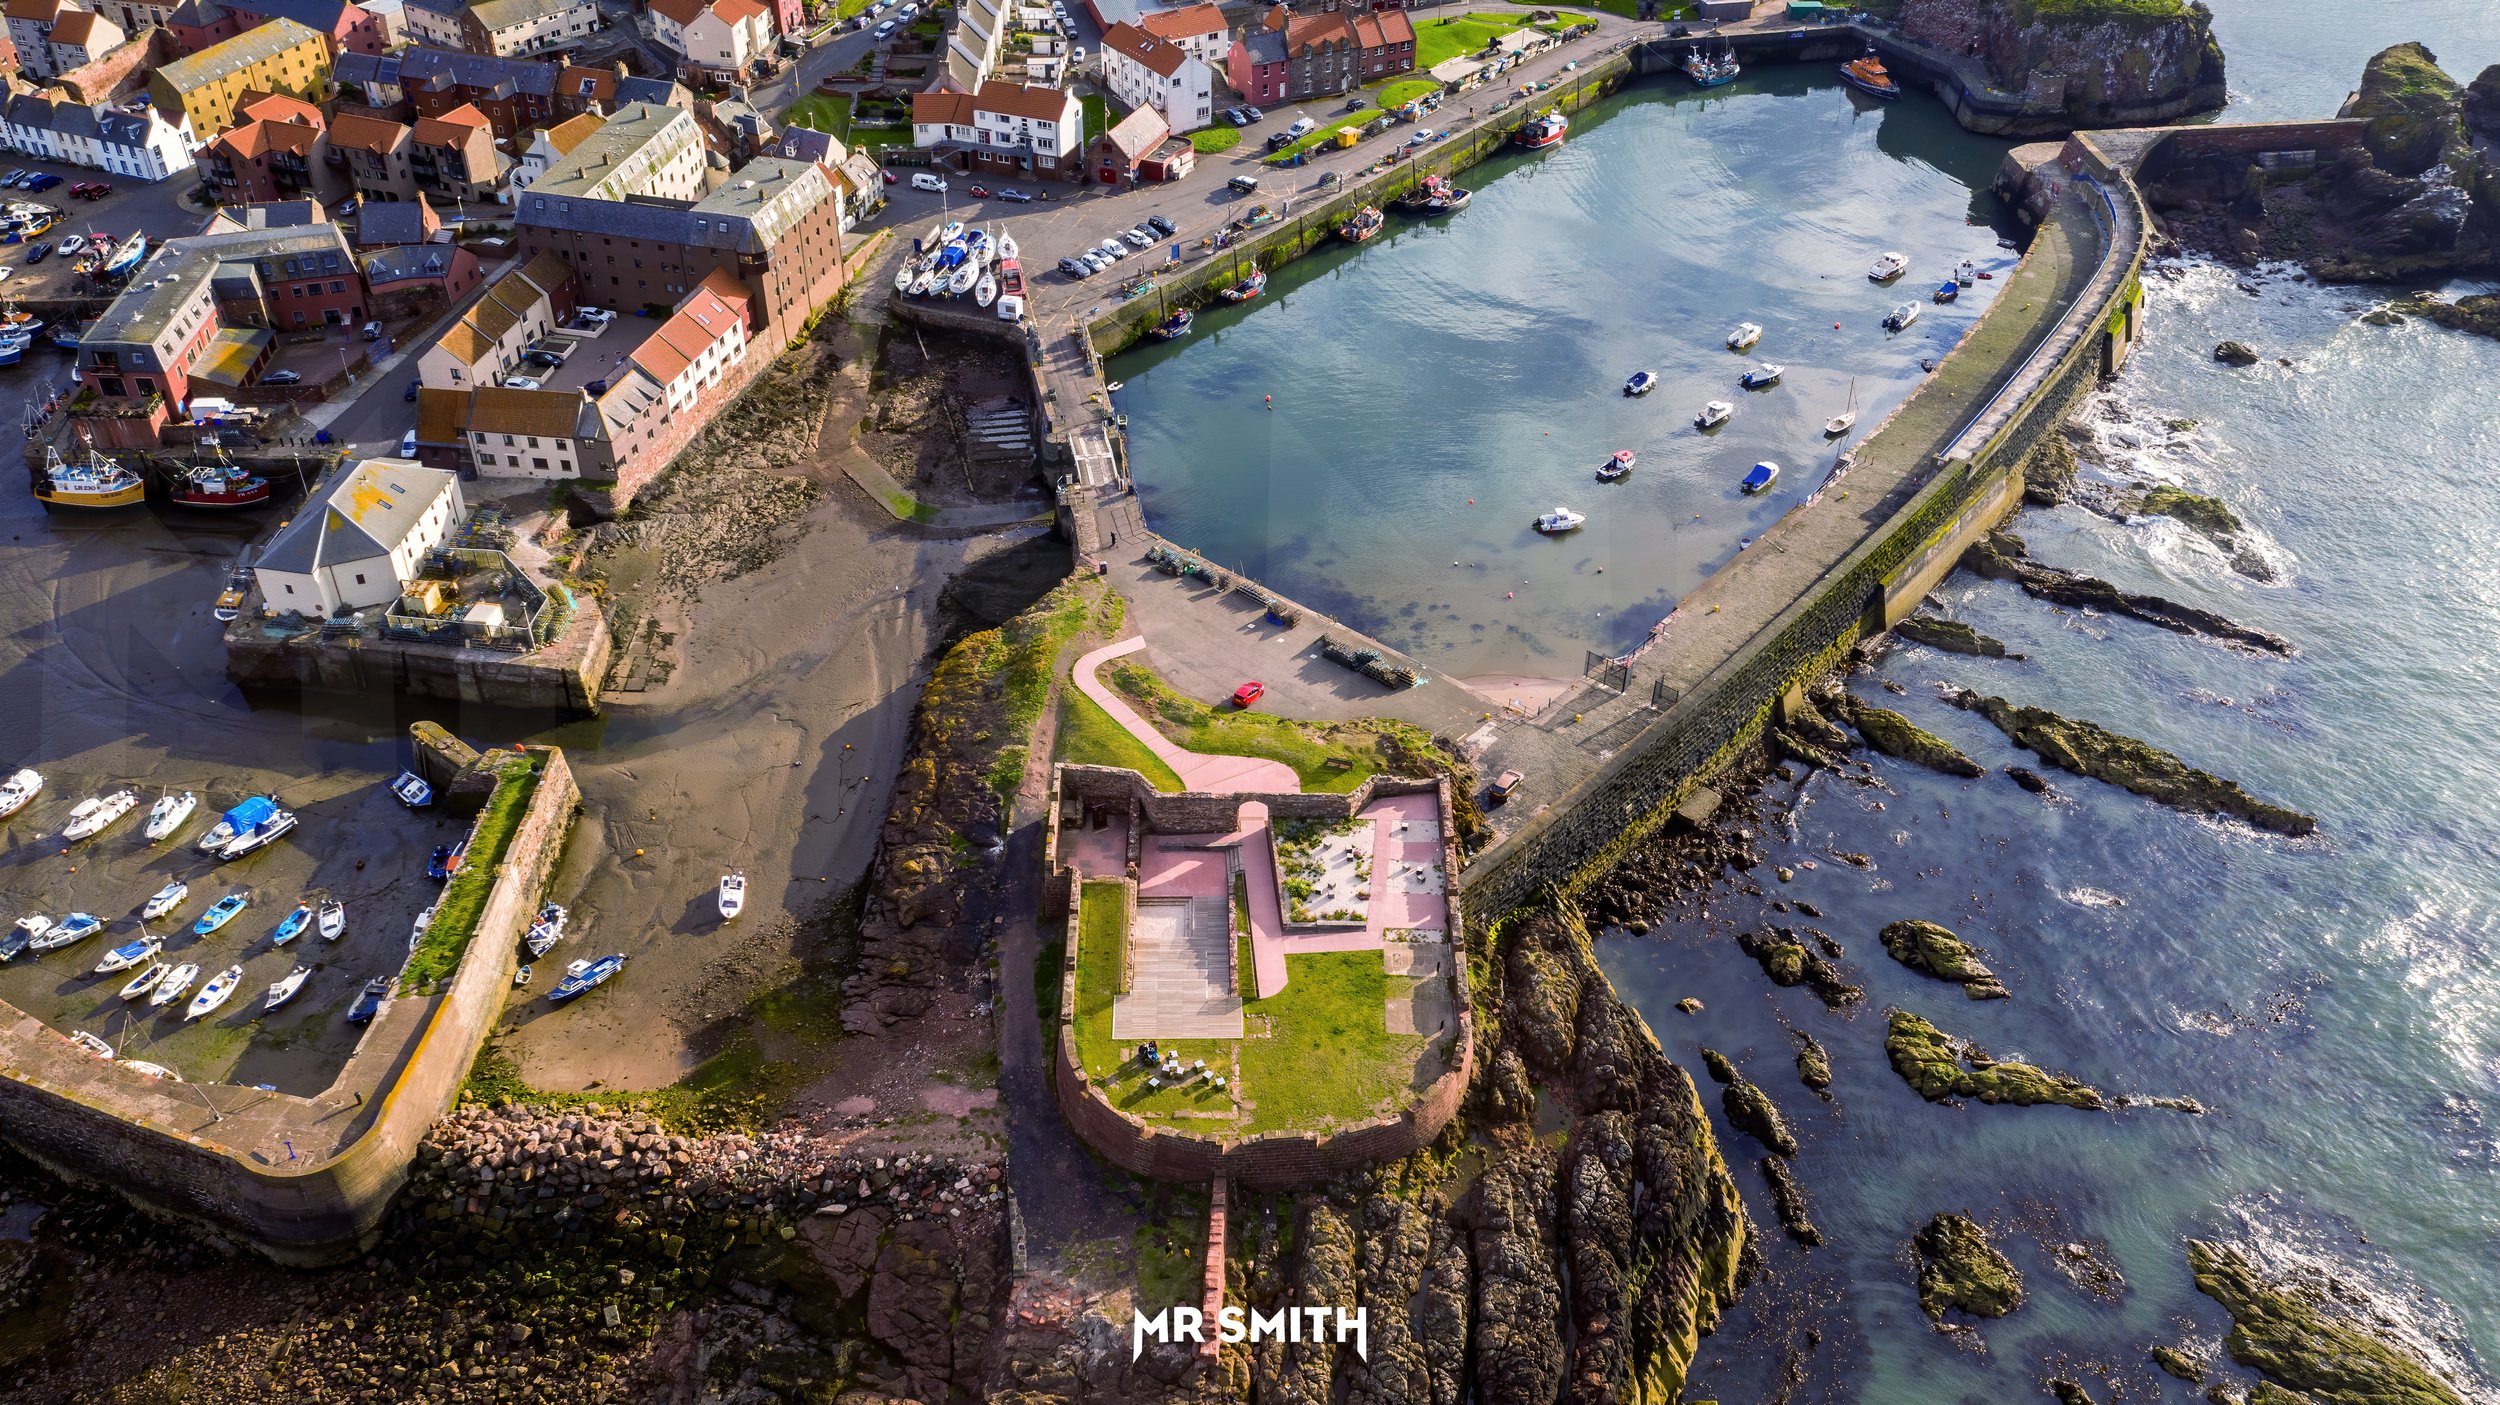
[{"x": 2083, "y": 63}]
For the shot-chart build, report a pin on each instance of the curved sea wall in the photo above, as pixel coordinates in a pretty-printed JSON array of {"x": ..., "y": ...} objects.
[
  {"x": 304, "y": 1180},
  {"x": 2076, "y": 64}
]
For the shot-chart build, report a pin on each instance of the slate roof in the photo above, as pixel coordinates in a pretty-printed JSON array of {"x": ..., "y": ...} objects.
[
  {"x": 391, "y": 222},
  {"x": 748, "y": 215},
  {"x": 243, "y": 50},
  {"x": 321, "y": 15},
  {"x": 366, "y": 513},
  {"x": 440, "y": 70},
  {"x": 409, "y": 262},
  {"x": 353, "y": 69},
  {"x": 506, "y": 14},
  {"x": 109, "y": 125}
]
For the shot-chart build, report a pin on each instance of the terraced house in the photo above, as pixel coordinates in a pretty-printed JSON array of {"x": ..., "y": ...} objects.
[
  {"x": 376, "y": 153},
  {"x": 507, "y": 28},
  {"x": 270, "y": 156},
  {"x": 347, "y": 27},
  {"x": 514, "y": 94},
  {"x": 1291, "y": 57},
  {"x": 134, "y": 141},
  {"x": 722, "y": 41},
  {"x": 454, "y": 155},
  {"x": 208, "y": 87},
  {"x": 1145, "y": 71},
  {"x": 1004, "y": 127}
]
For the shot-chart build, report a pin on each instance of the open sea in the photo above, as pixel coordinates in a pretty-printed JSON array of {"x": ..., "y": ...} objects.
[{"x": 2333, "y": 1001}]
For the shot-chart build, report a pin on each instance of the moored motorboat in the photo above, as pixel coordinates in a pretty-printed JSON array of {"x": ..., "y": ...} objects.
[
  {"x": 22, "y": 934},
  {"x": 1544, "y": 130},
  {"x": 410, "y": 790},
  {"x": 221, "y": 912},
  {"x": 1361, "y": 225},
  {"x": 234, "y": 822},
  {"x": 271, "y": 826},
  {"x": 97, "y": 484},
  {"x": 129, "y": 954},
  {"x": 1247, "y": 288},
  {"x": 1448, "y": 199},
  {"x": 333, "y": 923},
  {"x": 369, "y": 1002},
  {"x": 416, "y": 933},
  {"x": 1713, "y": 415},
  {"x": 145, "y": 1069},
  {"x": 1710, "y": 70},
  {"x": 1172, "y": 328},
  {"x": 146, "y": 980},
  {"x": 1616, "y": 467},
  {"x": 166, "y": 899},
  {"x": 547, "y": 930},
  {"x": 91, "y": 1044},
  {"x": 175, "y": 984},
  {"x": 1745, "y": 335},
  {"x": 1762, "y": 476},
  {"x": 97, "y": 813},
  {"x": 19, "y": 791},
  {"x": 1948, "y": 290},
  {"x": 1901, "y": 317},
  {"x": 218, "y": 991},
  {"x": 168, "y": 813},
  {"x": 284, "y": 987},
  {"x": 733, "y": 894},
  {"x": 1867, "y": 72},
  {"x": 75, "y": 927},
  {"x": 1763, "y": 374},
  {"x": 1966, "y": 273},
  {"x": 1559, "y": 521},
  {"x": 582, "y": 976},
  {"x": 1641, "y": 383},
  {"x": 1888, "y": 265},
  {"x": 292, "y": 926}
]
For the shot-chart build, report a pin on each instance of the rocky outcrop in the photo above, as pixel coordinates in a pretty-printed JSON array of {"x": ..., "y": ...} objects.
[
  {"x": 2236, "y": 353},
  {"x": 1788, "y": 1198},
  {"x": 1789, "y": 961},
  {"x": 2209, "y": 517},
  {"x": 1895, "y": 735},
  {"x": 2091, "y": 750},
  {"x": 2049, "y": 471},
  {"x": 1952, "y": 636},
  {"x": 1932, "y": 950},
  {"x": 1959, "y": 1270},
  {"x": 2085, "y": 63},
  {"x": 2179, "y": 1364},
  {"x": 2294, "y": 1334},
  {"x": 2002, "y": 556},
  {"x": 1941, "y": 1067},
  {"x": 1814, "y": 1066},
  {"x": 2476, "y": 312},
  {"x": 1751, "y": 1111}
]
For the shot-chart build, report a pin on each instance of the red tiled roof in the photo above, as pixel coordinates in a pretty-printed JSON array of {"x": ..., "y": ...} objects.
[
  {"x": 682, "y": 11},
  {"x": 40, "y": 11},
  {"x": 1017, "y": 100},
  {"x": 1186, "y": 23},
  {"x": 453, "y": 128},
  {"x": 74, "y": 28},
  {"x": 738, "y": 11},
  {"x": 278, "y": 107},
  {"x": 955, "y": 108},
  {"x": 1161, "y": 57},
  {"x": 355, "y": 131}
]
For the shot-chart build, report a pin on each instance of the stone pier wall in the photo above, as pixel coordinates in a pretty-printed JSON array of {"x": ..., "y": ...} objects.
[{"x": 562, "y": 677}]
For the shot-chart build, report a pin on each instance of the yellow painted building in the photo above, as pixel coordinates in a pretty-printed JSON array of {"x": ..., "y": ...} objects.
[{"x": 280, "y": 56}]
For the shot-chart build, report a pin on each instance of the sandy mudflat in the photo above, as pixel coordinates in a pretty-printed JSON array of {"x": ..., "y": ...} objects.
[{"x": 1529, "y": 695}]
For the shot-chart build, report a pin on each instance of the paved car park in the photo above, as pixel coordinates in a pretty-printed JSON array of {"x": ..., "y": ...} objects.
[{"x": 133, "y": 206}]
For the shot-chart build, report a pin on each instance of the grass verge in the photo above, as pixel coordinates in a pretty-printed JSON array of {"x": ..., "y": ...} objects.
[
  {"x": 1097, "y": 116},
  {"x": 819, "y": 112},
  {"x": 1089, "y": 737},
  {"x": 464, "y": 897},
  {"x": 1209, "y": 140},
  {"x": 1328, "y": 1058},
  {"x": 1017, "y": 658},
  {"x": 1309, "y": 748}
]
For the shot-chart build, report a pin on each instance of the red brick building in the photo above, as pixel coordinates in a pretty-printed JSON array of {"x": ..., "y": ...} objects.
[
  {"x": 270, "y": 156},
  {"x": 197, "y": 24},
  {"x": 1293, "y": 57}
]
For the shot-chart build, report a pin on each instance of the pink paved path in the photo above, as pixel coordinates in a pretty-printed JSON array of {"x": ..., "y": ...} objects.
[{"x": 1216, "y": 774}]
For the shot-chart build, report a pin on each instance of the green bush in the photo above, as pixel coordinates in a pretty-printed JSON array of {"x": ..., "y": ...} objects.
[{"x": 464, "y": 897}]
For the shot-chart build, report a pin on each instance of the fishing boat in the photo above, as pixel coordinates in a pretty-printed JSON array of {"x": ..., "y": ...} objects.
[
  {"x": 1948, "y": 290},
  {"x": 146, "y": 980},
  {"x": 92, "y": 1044},
  {"x": 582, "y": 976},
  {"x": 1615, "y": 467},
  {"x": 19, "y": 791},
  {"x": 1641, "y": 383},
  {"x": 1763, "y": 475},
  {"x": 1745, "y": 335},
  {"x": 1966, "y": 273},
  {"x": 1447, "y": 199},
  {"x": 284, "y": 987},
  {"x": 74, "y": 927},
  {"x": 97, "y": 485},
  {"x": 234, "y": 822},
  {"x": 733, "y": 894},
  {"x": 97, "y": 813},
  {"x": 333, "y": 923},
  {"x": 1362, "y": 224},
  {"x": 168, "y": 813},
  {"x": 217, "y": 486},
  {"x": 1713, "y": 415},
  {"x": 1559, "y": 521},
  {"x": 238, "y": 588},
  {"x": 129, "y": 954},
  {"x": 260, "y": 835},
  {"x": 221, "y": 912},
  {"x": 1901, "y": 317},
  {"x": 1839, "y": 424},
  {"x": 985, "y": 292},
  {"x": 66, "y": 335},
  {"x": 1889, "y": 264},
  {"x": 547, "y": 930},
  {"x": 126, "y": 257},
  {"x": 175, "y": 984},
  {"x": 1710, "y": 70},
  {"x": 1867, "y": 72},
  {"x": 416, "y": 933},
  {"x": 1172, "y": 328},
  {"x": 166, "y": 900},
  {"x": 293, "y": 926},
  {"x": 1247, "y": 288},
  {"x": 13, "y": 347},
  {"x": 1763, "y": 374},
  {"x": 369, "y": 1002},
  {"x": 218, "y": 991},
  {"x": 1544, "y": 130},
  {"x": 410, "y": 790},
  {"x": 446, "y": 861},
  {"x": 158, "y": 1072}
]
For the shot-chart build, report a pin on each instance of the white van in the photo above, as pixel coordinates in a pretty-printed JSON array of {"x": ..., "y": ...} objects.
[
  {"x": 922, "y": 180},
  {"x": 1302, "y": 128}
]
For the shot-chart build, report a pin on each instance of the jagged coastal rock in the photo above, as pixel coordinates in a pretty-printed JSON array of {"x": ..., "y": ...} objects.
[
  {"x": 1751, "y": 1111},
  {"x": 2091, "y": 750},
  {"x": 2209, "y": 517},
  {"x": 1895, "y": 735},
  {"x": 2084, "y": 63},
  {"x": 1788, "y": 1198},
  {"x": 1814, "y": 1066},
  {"x": 2476, "y": 312},
  {"x": 2002, "y": 556},
  {"x": 2179, "y": 1364},
  {"x": 2236, "y": 353},
  {"x": 2294, "y": 1335},
  {"x": 1935, "y": 951},
  {"x": 1788, "y": 961},
  {"x": 1941, "y": 1067},
  {"x": 1952, "y": 636},
  {"x": 1959, "y": 1269}
]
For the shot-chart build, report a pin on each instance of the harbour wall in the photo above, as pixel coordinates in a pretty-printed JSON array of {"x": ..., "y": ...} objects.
[
  {"x": 562, "y": 676},
  {"x": 303, "y": 1180}
]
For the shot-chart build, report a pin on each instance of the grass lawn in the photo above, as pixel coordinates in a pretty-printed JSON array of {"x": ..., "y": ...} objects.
[
  {"x": 1307, "y": 747},
  {"x": 464, "y": 897},
  {"x": 1328, "y": 1058},
  {"x": 1209, "y": 140},
  {"x": 820, "y": 113},
  {"x": 1088, "y": 737},
  {"x": 1393, "y": 95},
  {"x": 1461, "y": 36},
  {"x": 863, "y": 138},
  {"x": 1101, "y": 931},
  {"x": 1019, "y": 658},
  {"x": 1097, "y": 116},
  {"x": 850, "y": 9}
]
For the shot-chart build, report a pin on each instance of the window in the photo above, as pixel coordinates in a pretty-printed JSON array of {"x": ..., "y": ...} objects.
[
  {"x": 360, "y": 578},
  {"x": 507, "y": 443}
]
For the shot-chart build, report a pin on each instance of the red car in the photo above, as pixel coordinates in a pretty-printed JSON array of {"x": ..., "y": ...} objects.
[
  {"x": 1248, "y": 693},
  {"x": 980, "y": 192},
  {"x": 890, "y": 177}
]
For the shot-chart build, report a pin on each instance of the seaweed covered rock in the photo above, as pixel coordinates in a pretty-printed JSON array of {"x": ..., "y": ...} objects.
[
  {"x": 2002, "y": 556},
  {"x": 1935, "y": 951},
  {"x": 1721, "y": 1069},
  {"x": 1788, "y": 961},
  {"x": 2476, "y": 312},
  {"x": 1789, "y": 1199},
  {"x": 2178, "y": 1363},
  {"x": 2209, "y": 515},
  {"x": 2088, "y": 749},
  {"x": 1939, "y": 1067},
  {"x": 1959, "y": 1269},
  {"x": 1895, "y": 735},
  {"x": 1814, "y": 1066},
  {"x": 1952, "y": 636},
  {"x": 1751, "y": 1111},
  {"x": 2294, "y": 1334},
  {"x": 2082, "y": 63},
  {"x": 2049, "y": 471},
  {"x": 2415, "y": 111},
  {"x": 2235, "y": 353},
  {"x": 2065, "y": 1390}
]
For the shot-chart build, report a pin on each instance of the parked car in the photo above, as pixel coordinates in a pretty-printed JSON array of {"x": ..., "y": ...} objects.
[
  {"x": 1506, "y": 785},
  {"x": 593, "y": 317},
  {"x": 885, "y": 29},
  {"x": 523, "y": 383},
  {"x": 1302, "y": 127},
  {"x": 890, "y": 177},
  {"x": 283, "y": 378},
  {"x": 1139, "y": 238},
  {"x": 373, "y": 331},
  {"x": 43, "y": 181},
  {"x": 1234, "y": 117},
  {"x": 408, "y": 445},
  {"x": 1112, "y": 249},
  {"x": 1161, "y": 226},
  {"x": 979, "y": 192},
  {"x": 97, "y": 190},
  {"x": 1256, "y": 116},
  {"x": 922, "y": 180},
  {"x": 411, "y": 396},
  {"x": 1074, "y": 267},
  {"x": 1278, "y": 141},
  {"x": 1243, "y": 185},
  {"x": 1094, "y": 260},
  {"x": 38, "y": 253},
  {"x": 16, "y": 174},
  {"x": 1248, "y": 693},
  {"x": 1014, "y": 196},
  {"x": 73, "y": 244}
]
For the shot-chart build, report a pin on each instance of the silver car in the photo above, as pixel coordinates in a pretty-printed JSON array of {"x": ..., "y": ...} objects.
[
  {"x": 1094, "y": 260},
  {"x": 1139, "y": 238},
  {"x": 1111, "y": 249}
]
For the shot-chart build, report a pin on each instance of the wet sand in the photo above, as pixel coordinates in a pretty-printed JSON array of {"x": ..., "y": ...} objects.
[{"x": 1527, "y": 694}]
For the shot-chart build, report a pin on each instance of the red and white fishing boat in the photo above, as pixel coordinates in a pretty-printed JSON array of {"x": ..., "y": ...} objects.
[{"x": 215, "y": 485}]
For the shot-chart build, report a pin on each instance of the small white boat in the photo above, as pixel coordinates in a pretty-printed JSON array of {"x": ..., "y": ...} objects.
[
  {"x": 261, "y": 835},
  {"x": 1641, "y": 383},
  {"x": 75, "y": 927},
  {"x": 1007, "y": 248},
  {"x": 166, "y": 900},
  {"x": 175, "y": 984},
  {"x": 416, "y": 935},
  {"x": 1839, "y": 424},
  {"x": 733, "y": 895},
  {"x": 18, "y": 790},
  {"x": 1616, "y": 467},
  {"x": 32, "y": 927},
  {"x": 412, "y": 790},
  {"x": 1560, "y": 520},
  {"x": 129, "y": 954},
  {"x": 333, "y": 923},
  {"x": 91, "y": 1044},
  {"x": 947, "y": 234},
  {"x": 218, "y": 991},
  {"x": 547, "y": 930},
  {"x": 283, "y": 989},
  {"x": 169, "y": 813},
  {"x": 966, "y": 274},
  {"x": 96, "y": 813},
  {"x": 1745, "y": 335},
  {"x": 148, "y": 1070},
  {"x": 236, "y": 822},
  {"x": 1901, "y": 317},
  {"x": 1713, "y": 415},
  {"x": 146, "y": 980},
  {"x": 985, "y": 292},
  {"x": 1764, "y": 373},
  {"x": 903, "y": 275},
  {"x": 922, "y": 282},
  {"x": 1889, "y": 265},
  {"x": 1764, "y": 474},
  {"x": 1966, "y": 274},
  {"x": 580, "y": 976}
]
